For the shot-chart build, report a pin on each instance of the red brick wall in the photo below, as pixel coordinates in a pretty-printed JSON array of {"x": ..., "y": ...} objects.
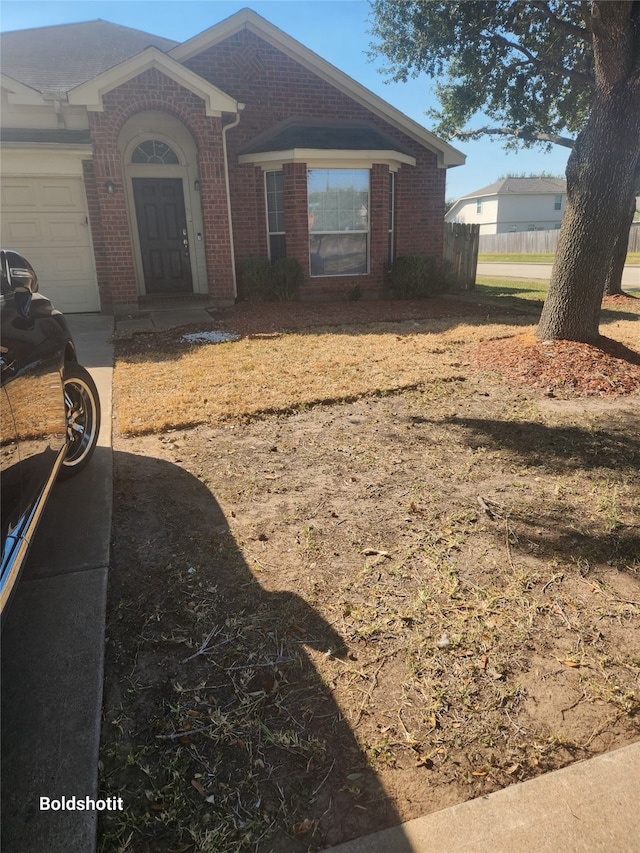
[
  {"x": 296, "y": 216},
  {"x": 274, "y": 87},
  {"x": 97, "y": 235},
  {"x": 152, "y": 90}
]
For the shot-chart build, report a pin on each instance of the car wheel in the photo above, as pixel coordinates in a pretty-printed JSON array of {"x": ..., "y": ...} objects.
[{"x": 83, "y": 418}]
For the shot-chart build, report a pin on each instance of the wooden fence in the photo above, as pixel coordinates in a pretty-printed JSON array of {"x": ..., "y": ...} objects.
[
  {"x": 461, "y": 251},
  {"x": 534, "y": 242}
]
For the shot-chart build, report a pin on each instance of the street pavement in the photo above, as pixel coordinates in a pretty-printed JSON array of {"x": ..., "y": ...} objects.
[{"x": 542, "y": 272}]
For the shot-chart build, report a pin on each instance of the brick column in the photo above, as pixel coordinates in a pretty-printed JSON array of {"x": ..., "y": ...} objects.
[
  {"x": 116, "y": 273},
  {"x": 213, "y": 197},
  {"x": 378, "y": 226},
  {"x": 296, "y": 213},
  {"x": 97, "y": 235}
]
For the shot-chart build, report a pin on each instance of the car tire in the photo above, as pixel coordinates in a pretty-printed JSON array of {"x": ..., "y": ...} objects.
[{"x": 83, "y": 418}]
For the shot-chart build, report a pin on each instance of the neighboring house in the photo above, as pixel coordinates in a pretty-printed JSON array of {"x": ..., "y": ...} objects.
[
  {"x": 513, "y": 204},
  {"x": 134, "y": 167}
]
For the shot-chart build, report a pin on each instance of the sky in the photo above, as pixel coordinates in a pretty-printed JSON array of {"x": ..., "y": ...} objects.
[{"x": 337, "y": 30}]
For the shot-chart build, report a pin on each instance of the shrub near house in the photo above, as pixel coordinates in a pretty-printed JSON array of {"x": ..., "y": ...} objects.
[{"x": 415, "y": 277}]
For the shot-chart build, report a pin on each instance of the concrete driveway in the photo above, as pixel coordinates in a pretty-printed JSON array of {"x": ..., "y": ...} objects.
[{"x": 53, "y": 644}]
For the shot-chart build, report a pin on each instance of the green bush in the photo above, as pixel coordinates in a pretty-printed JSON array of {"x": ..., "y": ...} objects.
[
  {"x": 256, "y": 282},
  {"x": 287, "y": 277},
  {"x": 353, "y": 293},
  {"x": 418, "y": 277}
]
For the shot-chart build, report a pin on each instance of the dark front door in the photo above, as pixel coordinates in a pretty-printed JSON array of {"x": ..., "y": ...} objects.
[{"x": 162, "y": 226}]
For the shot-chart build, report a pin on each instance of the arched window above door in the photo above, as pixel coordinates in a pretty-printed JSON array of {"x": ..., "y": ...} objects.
[{"x": 154, "y": 151}]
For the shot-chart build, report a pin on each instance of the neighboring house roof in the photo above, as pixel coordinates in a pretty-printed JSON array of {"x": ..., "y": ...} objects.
[
  {"x": 57, "y": 59},
  {"x": 520, "y": 186}
]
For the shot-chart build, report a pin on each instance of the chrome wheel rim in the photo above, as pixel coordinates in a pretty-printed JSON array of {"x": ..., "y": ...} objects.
[{"x": 81, "y": 420}]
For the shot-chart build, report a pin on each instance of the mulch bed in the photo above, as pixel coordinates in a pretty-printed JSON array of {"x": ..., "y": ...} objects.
[
  {"x": 251, "y": 318},
  {"x": 604, "y": 369}
]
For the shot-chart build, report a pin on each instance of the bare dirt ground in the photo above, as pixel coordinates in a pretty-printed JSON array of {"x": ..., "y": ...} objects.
[{"x": 325, "y": 622}]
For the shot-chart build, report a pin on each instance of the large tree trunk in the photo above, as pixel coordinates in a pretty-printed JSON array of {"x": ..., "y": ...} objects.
[
  {"x": 613, "y": 282},
  {"x": 600, "y": 186},
  {"x": 613, "y": 278}
]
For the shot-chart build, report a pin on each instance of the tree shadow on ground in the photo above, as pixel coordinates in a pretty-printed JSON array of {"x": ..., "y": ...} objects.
[
  {"x": 506, "y": 297},
  {"x": 556, "y": 448},
  {"x": 545, "y": 528},
  {"x": 218, "y": 727},
  {"x": 522, "y": 300}
]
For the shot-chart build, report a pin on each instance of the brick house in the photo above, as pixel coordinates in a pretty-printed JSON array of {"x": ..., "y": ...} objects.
[{"x": 135, "y": 168}]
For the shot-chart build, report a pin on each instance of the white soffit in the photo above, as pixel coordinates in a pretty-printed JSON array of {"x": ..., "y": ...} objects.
[
  {"x": 249, "y": 20},
  {"x": 90, "y": 94},
  {"x": 321, "y": 158},
  {"x": 19, "y": 93}
]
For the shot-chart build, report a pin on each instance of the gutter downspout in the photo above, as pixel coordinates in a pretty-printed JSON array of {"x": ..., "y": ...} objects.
[{"x": 227, "y": 127}]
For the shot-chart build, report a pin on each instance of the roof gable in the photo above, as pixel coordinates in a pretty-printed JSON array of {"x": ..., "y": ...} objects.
[
  {"x": 88, "y": 59},
  {"x": 91, "y": 93},
  {"x": 246, "y": 19}
]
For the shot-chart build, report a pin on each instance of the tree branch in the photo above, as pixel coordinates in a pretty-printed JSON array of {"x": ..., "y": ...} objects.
[
  {"x": 541, "y": 65},
  {"x": 563, "y": 26},
  {"x": 527, "y": 135}
]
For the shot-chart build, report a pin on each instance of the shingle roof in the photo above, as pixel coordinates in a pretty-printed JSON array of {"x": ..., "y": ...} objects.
[
  {"x": 326, "y": 136},
  {"x": 56, "y": 59},
  {"x": 521, "y": 186},
  {"x": 58, "y": 136}
]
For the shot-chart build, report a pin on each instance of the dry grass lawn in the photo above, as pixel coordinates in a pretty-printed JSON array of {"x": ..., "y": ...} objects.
[
  {"x": 327, "y": 619},
  {"x": 283, "y": 373}
]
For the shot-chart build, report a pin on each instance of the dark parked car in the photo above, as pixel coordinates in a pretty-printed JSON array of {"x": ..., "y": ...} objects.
[{"x": 50, "y": 414}]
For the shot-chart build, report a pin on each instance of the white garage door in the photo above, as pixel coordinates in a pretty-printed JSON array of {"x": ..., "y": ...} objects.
[{"x": 46, "y": 220}]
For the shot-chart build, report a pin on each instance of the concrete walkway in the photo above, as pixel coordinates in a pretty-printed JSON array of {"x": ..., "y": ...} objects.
[
  {"x": 158, "y": 319},
  {"x": 591, "y": 806},
  {"x": 53, "y": 644}
]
